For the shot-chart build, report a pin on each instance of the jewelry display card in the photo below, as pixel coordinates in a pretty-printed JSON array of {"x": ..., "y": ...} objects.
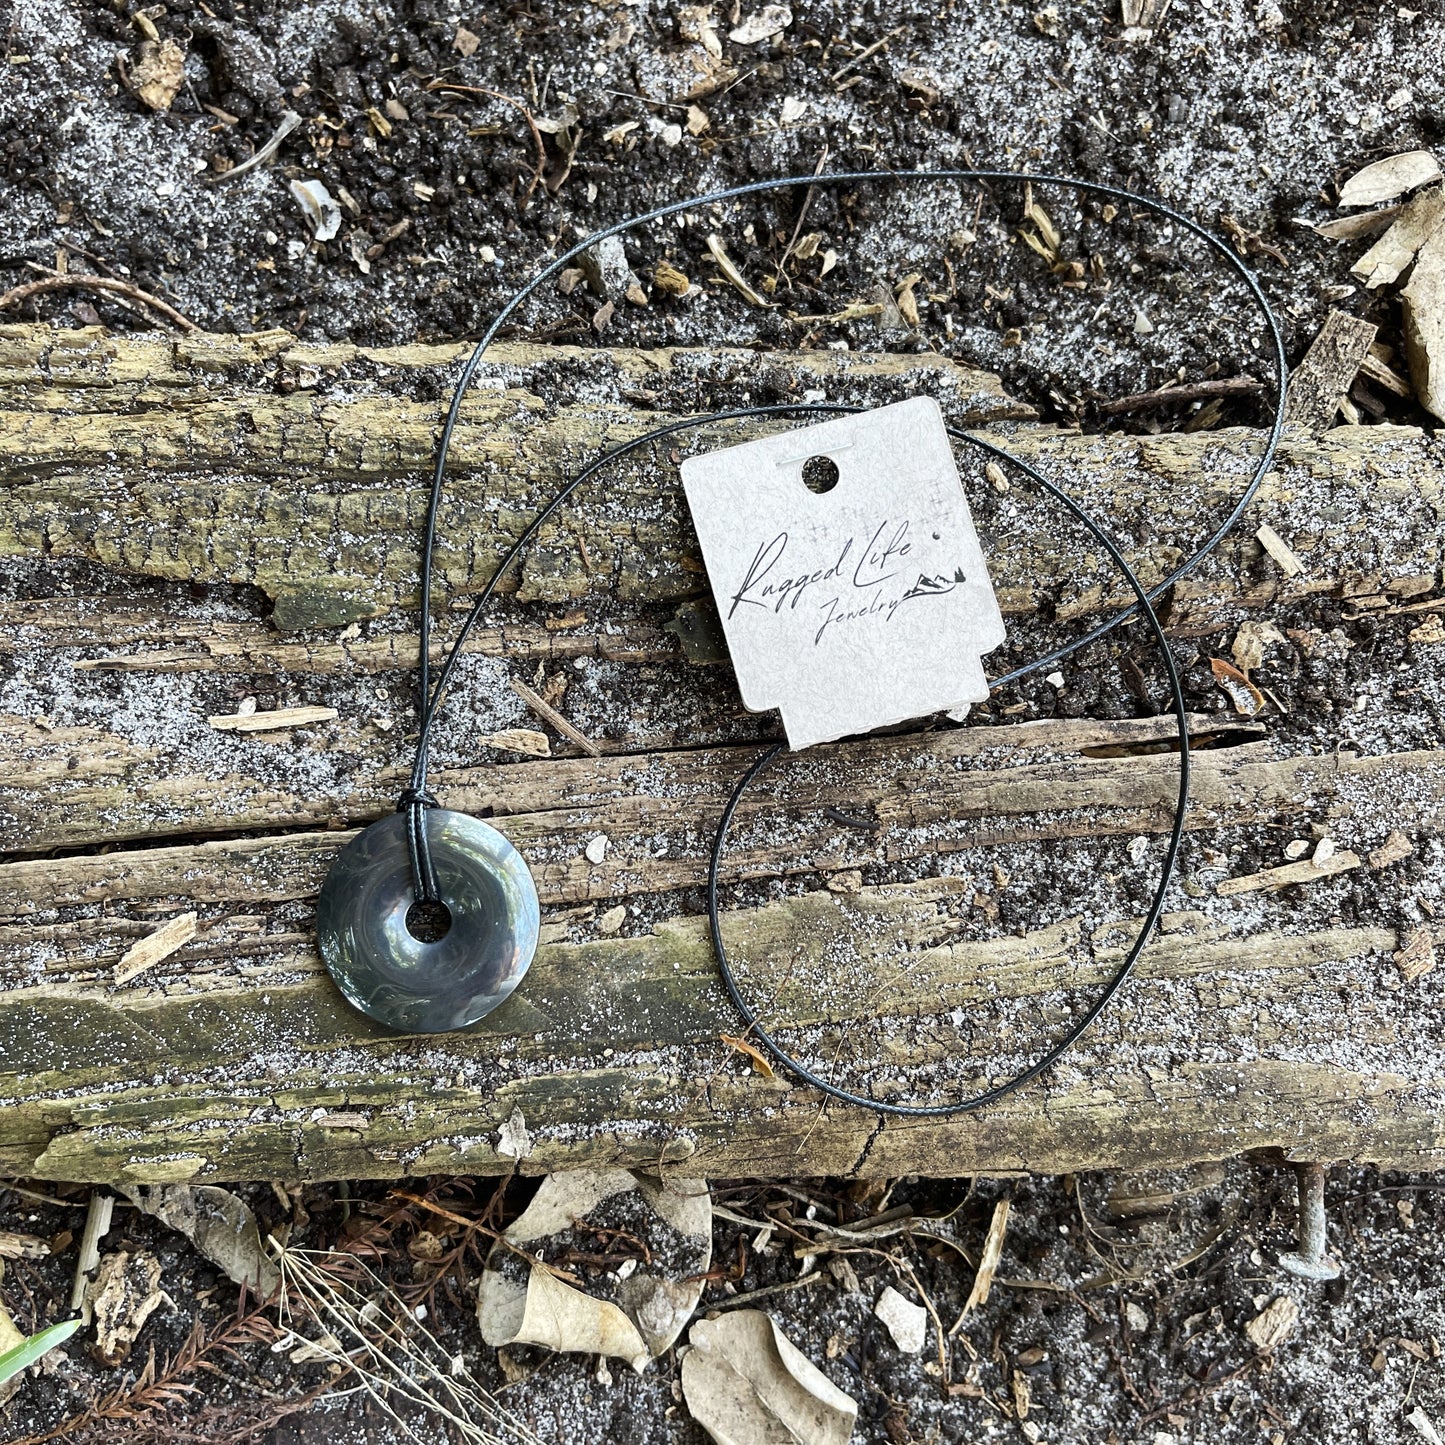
[{"x": 847, "y": 571}]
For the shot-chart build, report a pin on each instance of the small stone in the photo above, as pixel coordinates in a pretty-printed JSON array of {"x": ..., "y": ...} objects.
[
  {"x": 613, "y": 919},
  {"x": 1137, "y": 1317},
  {"x": 1273, "y": 1325},
  {"x": 906, "y": 1321},
  {"x": 1296, "y": 848},
  {"x": 1324, "y": 851},
  {"x": 596, "y": 850}
]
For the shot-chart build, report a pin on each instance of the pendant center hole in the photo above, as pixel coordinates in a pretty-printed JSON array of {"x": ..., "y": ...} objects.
[
  {"x": 820, "y": 474},
  {"x": 429, "y": 922}
]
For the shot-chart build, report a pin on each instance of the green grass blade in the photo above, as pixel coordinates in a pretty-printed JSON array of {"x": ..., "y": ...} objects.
[{"x": 28, "y": 1351}]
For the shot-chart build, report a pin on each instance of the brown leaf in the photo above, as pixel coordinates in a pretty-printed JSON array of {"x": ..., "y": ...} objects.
[
  {"x": 1246, "y": 697},
  {"x": 758, "y": 1059}
]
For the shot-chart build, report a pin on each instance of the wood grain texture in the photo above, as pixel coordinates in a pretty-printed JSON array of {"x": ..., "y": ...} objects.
[{"x": 188, "y": 525}]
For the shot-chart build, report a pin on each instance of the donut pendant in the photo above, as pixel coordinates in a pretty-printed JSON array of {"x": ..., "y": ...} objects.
[{"x": 473, "y": 948}]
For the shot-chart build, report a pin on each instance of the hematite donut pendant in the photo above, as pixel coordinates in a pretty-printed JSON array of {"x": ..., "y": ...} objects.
[{"x": 397, "y": 978}]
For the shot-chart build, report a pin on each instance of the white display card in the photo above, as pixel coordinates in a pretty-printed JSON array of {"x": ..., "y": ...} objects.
[{"x": 855, "y": 607}]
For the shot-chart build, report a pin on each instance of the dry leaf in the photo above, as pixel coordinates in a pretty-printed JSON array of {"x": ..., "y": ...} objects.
[
  {"x": 746, "y": 1384},
  {"x": 1251, "y": 642},
  {"x": 1387, "y": 259},
  {"x": 632, "y": 1314},
  {"x": 514, "y": 1140},
  {"x": 1352, "y": 228},
  {"x": 548, "y": 1312},
  {"x": 1274, "y": 1324},
  {"x": 320, "y": 209},
  {"x": 158, "y": 73},
  {"x": 1423, "y": 305},
  {"x": 1246, "y": 697},
  {"x": 1386, "y": 179},
  {"x": 759, "y": 1060},
  {"x": 220, "y": 1225},
  {"x": 762, "y": 25},
  {"x": 10, "y": 1337}
]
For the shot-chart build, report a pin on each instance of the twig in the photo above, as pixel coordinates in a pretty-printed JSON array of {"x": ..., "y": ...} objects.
[
  {"x": 85, "y": 282},
  {"x": 864, "y": 54},
  {"x": 289, "y": 121},
  {"x": 733, "y": 1301},
  {"x": 97, "y": 1226},
  {"x": 803, "y": 211},
  {"x": 527, "y": 115},
  {"x": 1173, "y": 395},
  {"x": 548, "y": 713}
]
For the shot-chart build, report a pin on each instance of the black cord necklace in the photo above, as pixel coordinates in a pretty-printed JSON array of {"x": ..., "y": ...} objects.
[{"x": 477, "y": 887}]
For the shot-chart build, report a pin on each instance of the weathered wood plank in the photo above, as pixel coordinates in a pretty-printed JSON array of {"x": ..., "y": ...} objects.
[
  {"x": 230, "y": 1082},
  {"x": 199, "y": 484},
  {"x": 133, "y": 470}
]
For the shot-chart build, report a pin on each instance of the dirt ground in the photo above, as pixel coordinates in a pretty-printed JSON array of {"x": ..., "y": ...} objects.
[{"x": 462, "y": 150}]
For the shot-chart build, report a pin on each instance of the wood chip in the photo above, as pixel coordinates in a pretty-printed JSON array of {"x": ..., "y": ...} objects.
[
  {"x": 987, "y": 1263},
  {"x": 22, "y": 1246},
  {"x": 277, "y": 720},
  {"x": 1379, "y": 371},
  {"x": 1392, "y": 850},
  {"x": 1327, "y": 372},
  {"x": 548, "y": 713},
  {"x": 1277, "y": 548},
  {"x": 1305, "y": 871},
  {"x": 1273, "y": 1325},
  {"x": 158, "y": 73},
  {"x": 733, "y": 276},
  {"x": 1391, "y": 177},
  {"x": 1416, "y": 956},
  {"x": 155, "y": 946},
  {"x": 669, "y": 280},
  {"x": 520, "y": 740}
]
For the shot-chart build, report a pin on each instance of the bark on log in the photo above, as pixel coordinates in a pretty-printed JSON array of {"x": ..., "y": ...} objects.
[{"x": 1005, "y": 869}]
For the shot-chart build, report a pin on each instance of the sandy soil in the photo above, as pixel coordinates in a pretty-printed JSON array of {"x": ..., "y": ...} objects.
[{"x": 1127, "y": 1327}]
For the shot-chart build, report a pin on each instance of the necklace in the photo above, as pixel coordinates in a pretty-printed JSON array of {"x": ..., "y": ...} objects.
[{"x": 429, "y": 918}]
